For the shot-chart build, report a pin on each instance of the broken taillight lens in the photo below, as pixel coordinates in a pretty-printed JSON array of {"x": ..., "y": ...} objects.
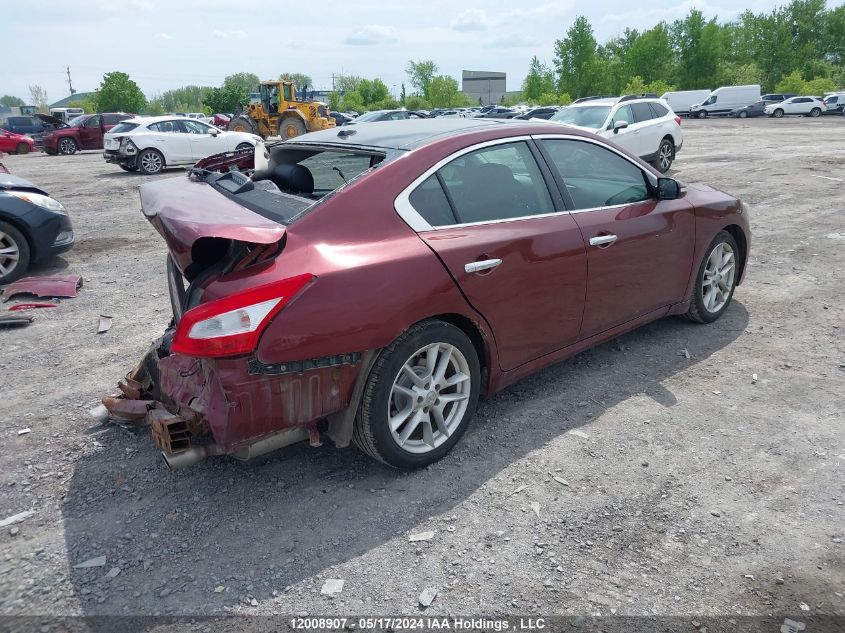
[
  {"x": 232, "y": 325},
  {"x": 678, "y": 119}
]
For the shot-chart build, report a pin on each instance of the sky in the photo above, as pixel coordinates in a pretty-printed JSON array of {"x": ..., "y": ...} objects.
[{"x": 164, "y": 44}]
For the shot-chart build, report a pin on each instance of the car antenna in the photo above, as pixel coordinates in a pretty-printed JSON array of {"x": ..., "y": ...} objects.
[
  {"x": 337, "y": 169},
  {"x": 347, "y": 132}
]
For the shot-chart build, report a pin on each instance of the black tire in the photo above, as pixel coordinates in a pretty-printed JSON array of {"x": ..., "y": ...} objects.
[
  {"x": 698, "y": 311},
  {"x": 815, "y": 112},
  {"x": 665, "y": 155},
  {"x": 128, "y": 167},
  {"x": 242, "y": 146},
  {"x": 10, "y": 236},
  {"x": 22, "y": 148},
  {"x": 371, "y": 431},
  {"x": 67, "y": 146},
  {"x": 778, "y": 114},
  {"x": 702, "y": 114},
  {"x": 242, "y": 123},
  {"x": 150, "y": 162},
  {"x": 743, "y": 114},
  {"x": 291, "y": 127}
]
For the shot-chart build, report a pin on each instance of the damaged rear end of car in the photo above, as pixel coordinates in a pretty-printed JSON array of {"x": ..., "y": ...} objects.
[{"x": 201, "y": 387}]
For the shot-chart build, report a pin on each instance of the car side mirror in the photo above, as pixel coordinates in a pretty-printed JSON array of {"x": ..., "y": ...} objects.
[
  {"x": 619, "y": 125},
  {"x": 214, "y": 132},
  {"x": 668, "y": 189}
]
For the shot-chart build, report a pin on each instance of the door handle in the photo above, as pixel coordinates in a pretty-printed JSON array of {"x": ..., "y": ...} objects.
[
  {"x": 484, "y": 264},
  {"x": 603, "y": 240}
]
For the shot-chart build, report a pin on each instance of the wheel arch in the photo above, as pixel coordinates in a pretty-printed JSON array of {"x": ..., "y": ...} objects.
[
  {"x": 742, "y": 242},
  {"x": 152, "y": 147},
  {"x": 479, "y": 342}
]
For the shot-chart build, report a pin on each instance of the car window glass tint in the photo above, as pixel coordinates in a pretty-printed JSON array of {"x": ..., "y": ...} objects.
[
  {"x": 195, "y": 128},
  {"x": 94, "y": 121},
  {"x": 430, "y": 201},
  {"x": 333, "y": 169},
  {"x": 595, "y": 176},
  {"x": 641, "y": 112},
  {"x": 658, "y": 110},
  {"x": 496, "y": 183},
  {"x": 622, "y": 114}
]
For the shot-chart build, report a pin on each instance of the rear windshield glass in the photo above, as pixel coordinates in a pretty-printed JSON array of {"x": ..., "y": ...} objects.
[{"x": 124, "y": 127}]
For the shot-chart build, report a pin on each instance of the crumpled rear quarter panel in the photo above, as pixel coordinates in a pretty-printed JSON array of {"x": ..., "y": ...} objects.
[{"x": 241, "y": 408}]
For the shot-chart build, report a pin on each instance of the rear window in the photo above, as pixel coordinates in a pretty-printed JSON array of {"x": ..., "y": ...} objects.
[
  {"x": 333, "y": 169},
  {"x": 658, "y": 110},
  {"x": 123, "y": 127},
  {"x": 641, "y": 112}
]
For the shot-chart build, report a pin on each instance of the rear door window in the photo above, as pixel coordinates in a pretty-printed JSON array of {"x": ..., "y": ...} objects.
[
  {"x": 496, "y": 183},
  {"x": 641, "y": 112},
  {"x": 622, "y": 114},
  {"x": 430, "y": 201},
  {"x": 658, "y": 110}
]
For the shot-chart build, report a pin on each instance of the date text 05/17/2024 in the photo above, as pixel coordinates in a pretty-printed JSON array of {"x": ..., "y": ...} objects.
[{"x": 417, "y": 623}]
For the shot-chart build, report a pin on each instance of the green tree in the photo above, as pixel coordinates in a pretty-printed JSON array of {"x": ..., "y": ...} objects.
[
  {"x": 248, "y": 82},
  {"x": 420, "y": 73},
  {"x": 740, "y": 74},
  {"x": 347, "y": 83},
  {"x": 793, "y": 82},
  {"x": 373, "y": 91},
  {"x": 539, "y": 80},
  {"x": 118, "y": 93},
  {"x": 224, "y": 99},
  {"x": 11, "y": 102},
  {"x": 154, "y": 108},
  {"x": 416, "y": 102},
  {"x": 334, "y": 101},
  {"x": 403, "y": 95},
  {"x": 443, "y": 92},
  {"x": 87, "y": 105},
  {"x": 699, "y": 50},
  {"x": 650, "y": 55},
  {"x": 353, "y": 101},
  {"x": 575, "y": 59}
]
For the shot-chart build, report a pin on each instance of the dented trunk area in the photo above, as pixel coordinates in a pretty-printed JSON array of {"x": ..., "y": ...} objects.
[{"x": 239, "y": 407}]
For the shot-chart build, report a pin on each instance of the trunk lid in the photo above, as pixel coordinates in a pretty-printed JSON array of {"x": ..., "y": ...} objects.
[{"x": 185, "y": 211}]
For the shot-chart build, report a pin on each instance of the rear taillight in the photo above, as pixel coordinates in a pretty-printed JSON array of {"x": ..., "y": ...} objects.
[
  {"x": 678, "y": 119},
  {"x": 233, "y": 325}
]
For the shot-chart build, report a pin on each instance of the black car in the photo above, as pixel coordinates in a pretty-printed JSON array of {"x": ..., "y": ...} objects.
[
  {"x": 755, "y": 109},
  {"x": 33, "y": 226},
  {"x": 340, "y": 118},
  {"x": 545, "y": 112},
  {"x": 388, "y": 115},
  {"x": 498, "y": 113}
]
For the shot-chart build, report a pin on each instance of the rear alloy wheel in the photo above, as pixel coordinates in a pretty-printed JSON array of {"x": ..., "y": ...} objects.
[
  {"x": 420, "y": 396},
  {"x": 14, "y": 253},
  {"x": 778, "y": 113},
  {"x": 291, "y": 128},
  {"x": 665, "y": 156},
  {"x": 815, "y": 112},
  {"x": 150, "y": 162},
  {"x": 743, "y": 114},
  {"x": 22, "y": 148},
  {"x": 67, "y": 146},
  {"x": 702, "y": 114},
  {"x": 716, "y": 281}
]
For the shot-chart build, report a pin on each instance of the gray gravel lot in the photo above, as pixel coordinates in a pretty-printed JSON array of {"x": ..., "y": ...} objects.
[{"x": 629, "y": 480}]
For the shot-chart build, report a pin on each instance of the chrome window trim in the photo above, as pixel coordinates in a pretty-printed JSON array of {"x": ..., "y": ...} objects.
[{"x": 418, "y": 223}]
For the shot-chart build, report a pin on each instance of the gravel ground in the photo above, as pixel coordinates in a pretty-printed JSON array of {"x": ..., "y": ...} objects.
[{"x": 681, "y": 470}]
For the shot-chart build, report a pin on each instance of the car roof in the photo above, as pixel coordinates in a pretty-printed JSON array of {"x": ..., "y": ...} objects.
[
  {"x": 410, "y": 134},
  {"x": 405, "y": 134},
  {"x": 153, "y": 119}
]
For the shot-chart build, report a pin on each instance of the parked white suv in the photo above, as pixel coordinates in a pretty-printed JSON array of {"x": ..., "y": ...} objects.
[
  {"x": 150, "y": 144},
  {"x": 645, "y": 126},
  {"x": 807, "y": 106}
]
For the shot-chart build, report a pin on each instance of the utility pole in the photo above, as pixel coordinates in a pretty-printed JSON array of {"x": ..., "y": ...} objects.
[{"x": 69, "y": 84}]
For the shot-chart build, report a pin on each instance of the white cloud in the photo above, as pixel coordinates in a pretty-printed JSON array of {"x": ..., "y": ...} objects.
[
  {"x": 471, "y": 20},
  {"x": 235, "y": 34},
  {"x": 162, "y": 36},
  {"x": 514, "y": 40},
  {"x": 370, "y": 35}
]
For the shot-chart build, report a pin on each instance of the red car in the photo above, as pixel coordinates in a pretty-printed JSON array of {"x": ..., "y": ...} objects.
[
  {"x": 15, "y": 143},
  {"x": 374, "y": 282},
  {"x": 83, "y": 132}
]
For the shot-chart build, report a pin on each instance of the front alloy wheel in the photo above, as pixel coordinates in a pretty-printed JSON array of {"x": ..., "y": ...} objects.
[
  {"x": 778, "y": 113},
  {"x": 14, "y": 253},
  {"x": 420, "y": 395},
  {"x": 67, "y": 146},
  {"x": 716, "y": 281}
]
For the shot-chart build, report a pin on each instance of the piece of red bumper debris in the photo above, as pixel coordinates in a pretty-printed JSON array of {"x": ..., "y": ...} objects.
[{"x": 48, "y": 286}]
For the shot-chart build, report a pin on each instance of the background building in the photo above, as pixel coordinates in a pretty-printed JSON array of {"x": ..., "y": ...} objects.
[{"x": 487, "y": 86}]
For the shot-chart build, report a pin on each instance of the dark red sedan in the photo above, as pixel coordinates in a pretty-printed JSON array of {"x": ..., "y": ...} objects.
[{"x": 372, "y": 283}]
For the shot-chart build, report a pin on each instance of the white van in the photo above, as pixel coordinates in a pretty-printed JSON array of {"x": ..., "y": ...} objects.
[
  {"x": 723, "y": 100},
  {"x": 682, "y": 100},
  {"x": 66, "y": 114}
]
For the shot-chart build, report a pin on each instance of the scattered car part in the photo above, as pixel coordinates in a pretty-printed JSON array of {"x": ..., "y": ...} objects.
[
  {"x": 104, "y": 324},
  {"x": 48, "y": 286},
  {"x": 31, "y": 306},
  {"x": 9, "y": 320}
]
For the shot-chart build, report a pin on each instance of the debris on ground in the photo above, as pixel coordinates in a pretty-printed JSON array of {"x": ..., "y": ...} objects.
[
  {"x": 792, "y": 626},
  {"x": 804, "y": 606},
  {"x": 113, "y": 573},
  {"x": 24, "y": 431},
  {"x": 427, "y": 596},
  {"x": 104, "y": 325},
  {"x": 753, "y": 379},
  {"x": 47, "y": 286},
  {"x": 536, "y": 507},
  {"x": 219, "y": 589},
  {"x": 332, "y": 586},
  {"x": 31, "y": 306},
  {"x": 97, "y": 561},
  {"x": 561, "y": 481},
  {"x": 421, "y": 536},
  {"x": 16, "y": 518},
  {"x": 15, "y": 320},
  {"x": 518, "y": 490},
  {"x": 685, "y": 353},
  {"x": 578, "y": 433}
]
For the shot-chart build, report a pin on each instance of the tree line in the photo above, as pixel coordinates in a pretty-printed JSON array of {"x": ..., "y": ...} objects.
[{"x": 799, "y": 47}]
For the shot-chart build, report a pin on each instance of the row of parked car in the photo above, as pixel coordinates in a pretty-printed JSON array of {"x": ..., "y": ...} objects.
[{"x": 779, "y": 105}]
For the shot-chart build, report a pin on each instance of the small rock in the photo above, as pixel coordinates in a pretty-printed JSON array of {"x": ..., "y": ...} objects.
[
  {"x": 578, "y": 433},
  {"x": 13, "y": 531},
  {"x": 219, "y": 589},
  {"x": 518, "y": 490},
  {"x": 113, "y": 572},
  {"x": 685, "y": 353},
  {"x": 749, "y": 576},
  {"x": 24, "y": 431},
  {"x": 715, "y": 513},
  {"x": 753, "y": 379},
  {"x": 536, "y": 507},
  {"x": 253, "y": 602},
  {"x": 561, "y": 481},
  {"x": 332, "y": 586},
  {"x": 779, "y": 581},
  {"x": 421, "y": 536},
  {"x": 427, "y": 596},
  {"x": 696, "y": 624},
  {"x": 728, "y": 478},
  {"x": 792, "y": 626},
  {"x": 645, "y": 464},
  {"x": 804, "y": 606}
]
